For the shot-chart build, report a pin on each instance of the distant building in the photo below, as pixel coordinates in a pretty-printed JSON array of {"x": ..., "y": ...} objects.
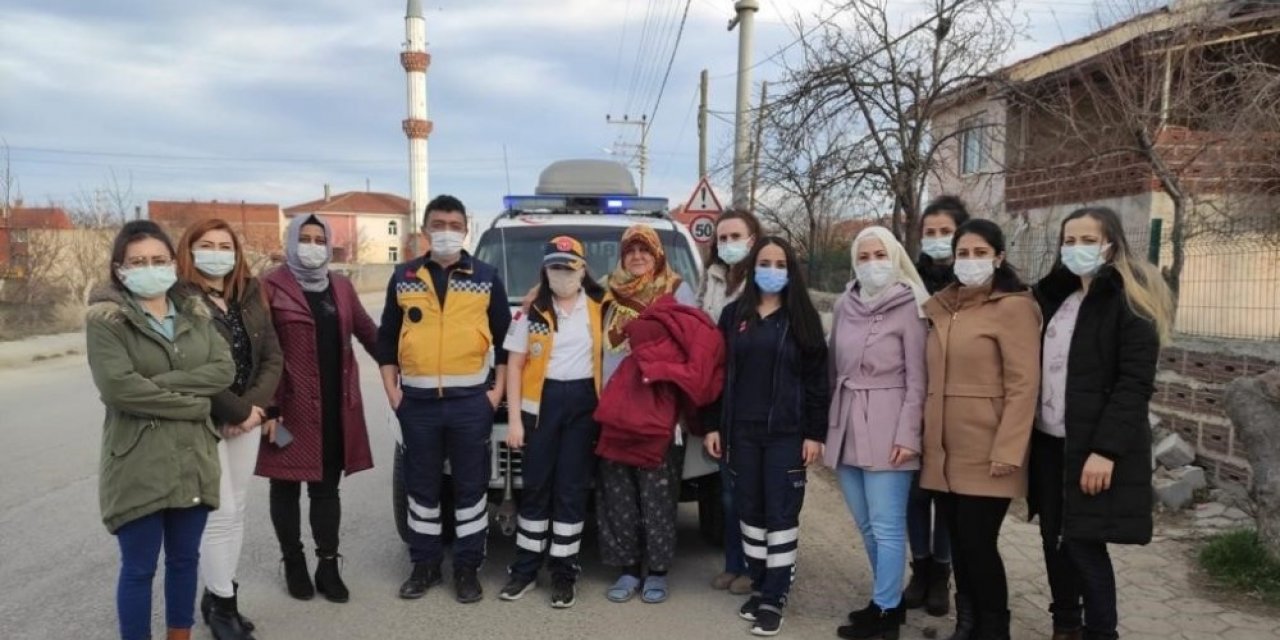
[
  {"x": 368, "y": 227},
  {"x": 16, "y": 226},
  {"x": 257, "y": 223}
]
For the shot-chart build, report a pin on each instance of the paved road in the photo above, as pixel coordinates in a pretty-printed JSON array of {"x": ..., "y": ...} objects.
[{"x": 58, "y": 564}]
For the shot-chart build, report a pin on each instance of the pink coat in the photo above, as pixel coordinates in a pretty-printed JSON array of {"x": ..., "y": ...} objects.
[
  {"x": 879, "y": 379},
  {"x": 298, "y": 395}
]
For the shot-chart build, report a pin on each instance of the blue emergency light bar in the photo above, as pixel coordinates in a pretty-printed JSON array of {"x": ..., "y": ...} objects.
[{"x": 620, "y": 205}]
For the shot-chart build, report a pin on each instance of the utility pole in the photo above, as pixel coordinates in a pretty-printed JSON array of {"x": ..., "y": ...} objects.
[
  {"x": 746, "y": 19},
  {"x": 702, "y": 126},
  {"x": 642, "y": 149},
  {"x": 755, "y": 160}
]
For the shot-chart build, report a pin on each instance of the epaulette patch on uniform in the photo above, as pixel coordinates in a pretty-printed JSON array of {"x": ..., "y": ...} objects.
[
  {"x": 470, "y": 286},
  {"x": 539, "y": 328}
]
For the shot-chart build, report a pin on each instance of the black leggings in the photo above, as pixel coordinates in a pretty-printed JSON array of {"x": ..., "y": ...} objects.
[
  {"x": 326, "y": 514},
  {"x": 974, "y": 524}
]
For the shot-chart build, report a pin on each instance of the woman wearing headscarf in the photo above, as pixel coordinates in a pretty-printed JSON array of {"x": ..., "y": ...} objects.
[
  {"x": 878, "y": 390},
  {"x": 636, "y": 507},
  {"x": 321, "y": 431}
]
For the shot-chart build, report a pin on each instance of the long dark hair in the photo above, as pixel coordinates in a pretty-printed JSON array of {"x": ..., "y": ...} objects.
[
  {"x": 736, "y": 273},
  {"x": 130, "y": 233},
  {"x": 1144, "y": 289},
  {"x": 806, "y": 325},
  {"x": 544, "y": 300},
  {"x": 1006, "y": 278}
]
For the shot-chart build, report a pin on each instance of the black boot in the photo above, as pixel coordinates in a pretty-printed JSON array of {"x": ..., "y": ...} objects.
[
  {"x": 329, "y": 581},
  {"x": 224, "y": 619},
  {"x": 937, "y": 601},
  {"x": 993, "y": 625},
  {"x": 206, "y": 605},
  {"x": 966, "y": 619},
  {"x": 878, "y": 623},
  {"x": 918, "y": 587},
  {"x": 296, "y": 577},
  {"x": 858, "y": 614}
]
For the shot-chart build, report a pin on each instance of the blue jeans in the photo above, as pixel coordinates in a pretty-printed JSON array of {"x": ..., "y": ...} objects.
[
  {"x": 179, "y": 532},
  {"x": 735, "y": 561},
  {"x": 878, "y": 501},
  {"x": 926, "y": 532}
]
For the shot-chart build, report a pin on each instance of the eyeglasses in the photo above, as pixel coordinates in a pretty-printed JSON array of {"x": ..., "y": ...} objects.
[{"x": 142, "y": 261}]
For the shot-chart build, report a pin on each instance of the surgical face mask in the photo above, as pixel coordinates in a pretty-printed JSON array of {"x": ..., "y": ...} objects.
[
  {"x": 313, "y": 256},
  {"x": 972, "y": 272},
  {"x": 1084, "y": 259},
  {"x": 214, "y": 263},
  {"x": 565, "y": 283},
  {"x": 148, "y": 282},
  {"x": 937, "y": 248},
  {"x": 733, "y": 252},
  {"x": 875, "y": 274},
  {"x": 771, "y": 279},
  {"x": 447, "y": 243}
]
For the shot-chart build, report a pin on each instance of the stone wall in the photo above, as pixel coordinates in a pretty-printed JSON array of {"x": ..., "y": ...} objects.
[{"x": 1188, "y": 399}]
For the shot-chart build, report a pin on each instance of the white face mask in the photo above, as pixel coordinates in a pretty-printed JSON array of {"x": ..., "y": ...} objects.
[
  {"x": 214, "y": 263},
  {"x": 937, "y": 248},
  {"x": 447, "y": 244},
  {"x": 875, "y": 275},
  {"x": 972, "y": 272},
  {"x": 733, "y": 252},
  {"x": 565, "y": 283},
  {"x": 313, "y": 256},
  {"x": 1084, "y": 259}
]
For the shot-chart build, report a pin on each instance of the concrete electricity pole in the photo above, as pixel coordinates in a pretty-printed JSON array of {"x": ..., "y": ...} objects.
[
  {"x": 741, "y": 127},
  {"x": 702, "y": 126},
  {"x": 755, "y": 146},
  {"x": 642, "y": 149}
]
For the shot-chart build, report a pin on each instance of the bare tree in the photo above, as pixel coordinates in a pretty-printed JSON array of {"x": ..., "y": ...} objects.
[
  {"x": 8, "y": 183},
  {"x": 109, "y": 205},
  {"x": 891, "y": 80}
]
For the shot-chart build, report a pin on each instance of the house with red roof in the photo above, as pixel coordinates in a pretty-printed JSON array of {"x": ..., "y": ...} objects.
[
  {"x": 368, "y": 227},
  {"x": 16, "y": 225}
]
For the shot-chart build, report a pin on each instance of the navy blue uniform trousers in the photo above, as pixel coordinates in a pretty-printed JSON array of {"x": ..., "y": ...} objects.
[
  {"x": 559, "y": 455},
  {"x": 459, "y": 428},
  {"x": 770, "y": 482}
]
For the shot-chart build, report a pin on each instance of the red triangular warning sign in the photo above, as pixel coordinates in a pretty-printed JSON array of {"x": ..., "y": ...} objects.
[{"x": 703, "y": 199}]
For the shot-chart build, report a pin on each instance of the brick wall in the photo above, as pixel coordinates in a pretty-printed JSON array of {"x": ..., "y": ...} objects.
[{"x": 1188, "y": 400}]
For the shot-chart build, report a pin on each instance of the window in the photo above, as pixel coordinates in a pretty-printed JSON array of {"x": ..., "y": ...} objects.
[
  {"x": 973, "y": 145},
  {"x": 393, "y": 253},
  {"x": 393, "y": 228}
]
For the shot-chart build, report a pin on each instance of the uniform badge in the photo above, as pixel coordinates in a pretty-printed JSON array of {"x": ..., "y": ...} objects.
[{"x": 535, "y": 349}]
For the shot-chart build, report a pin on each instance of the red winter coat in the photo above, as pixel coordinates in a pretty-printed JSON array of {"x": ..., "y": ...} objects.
[
  {"x": 298, "y": 395},
  {"x": 676, "y": 365}
]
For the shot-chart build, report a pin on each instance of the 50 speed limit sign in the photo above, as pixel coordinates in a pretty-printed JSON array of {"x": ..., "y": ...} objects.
[{"x": 703, "y": 229}]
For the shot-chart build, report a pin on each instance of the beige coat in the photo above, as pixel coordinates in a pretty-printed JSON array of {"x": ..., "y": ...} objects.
[{"x": 984, "y": 379}]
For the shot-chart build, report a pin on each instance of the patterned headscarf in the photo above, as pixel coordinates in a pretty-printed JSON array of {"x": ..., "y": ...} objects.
[{"x": 631, "y": 293}]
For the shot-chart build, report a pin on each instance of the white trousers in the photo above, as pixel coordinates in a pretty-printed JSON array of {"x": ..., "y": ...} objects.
[{"x": 224, "y": 533}]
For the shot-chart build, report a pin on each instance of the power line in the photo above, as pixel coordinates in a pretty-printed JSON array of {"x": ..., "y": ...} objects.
[
  {"x": 670, "y": 62},
  {"x": 617, "y": 62}
]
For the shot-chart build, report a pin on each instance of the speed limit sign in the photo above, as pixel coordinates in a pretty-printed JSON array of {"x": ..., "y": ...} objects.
[{"x": 703, "y": 229}]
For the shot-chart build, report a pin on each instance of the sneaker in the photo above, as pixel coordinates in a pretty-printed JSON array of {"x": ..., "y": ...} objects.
[
  {"x": 564, "y": 592},
  {"x": 768, "y": 622},
  {"x": 466, "y": 585},
  {"x": 516, "y": 587},
  {"x": 749, "y": 609}
]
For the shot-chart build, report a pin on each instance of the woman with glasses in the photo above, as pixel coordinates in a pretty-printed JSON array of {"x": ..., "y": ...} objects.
[
  {"x": 321, "y": 432},
  {"x": 157, "y": 362}
]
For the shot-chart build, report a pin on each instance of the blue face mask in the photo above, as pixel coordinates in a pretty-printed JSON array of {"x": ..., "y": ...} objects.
[
  {"x": 1084, "y": 259},
  {"x": 771, "y": 279},
  {"x": 148, "y": 282}
]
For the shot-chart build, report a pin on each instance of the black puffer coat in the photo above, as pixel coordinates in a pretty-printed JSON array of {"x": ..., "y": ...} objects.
[
  {"x": 936, "y": 276},
  {"x": 1111, "y": 373}
]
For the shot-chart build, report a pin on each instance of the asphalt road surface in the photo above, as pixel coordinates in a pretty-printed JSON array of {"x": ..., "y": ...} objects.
[{"x": 58, "y": 564}]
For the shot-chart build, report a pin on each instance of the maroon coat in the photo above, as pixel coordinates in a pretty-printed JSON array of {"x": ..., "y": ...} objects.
[
  {"x": 298, "y": 395},
  {"x": 676, "y": 366}
]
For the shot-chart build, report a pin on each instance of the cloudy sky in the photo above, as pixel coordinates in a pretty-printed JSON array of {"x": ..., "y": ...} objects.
[{"x": 268, "y": 100}]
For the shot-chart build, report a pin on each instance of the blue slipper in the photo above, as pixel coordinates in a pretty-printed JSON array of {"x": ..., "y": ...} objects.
[
  {"x": 624, "y": 589},
  {"x": 655, "y": 590}
]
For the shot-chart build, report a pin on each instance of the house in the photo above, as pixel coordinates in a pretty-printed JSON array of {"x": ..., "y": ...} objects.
[
  {"x": 16, "y": 226},
  {"x": 1125, "y": 118},
  {"x": 258, "y": 224},
  {"x": 368, "y": 227}
]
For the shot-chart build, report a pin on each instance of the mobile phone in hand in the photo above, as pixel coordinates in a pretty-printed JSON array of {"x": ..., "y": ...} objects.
[{"x": 283, "y": 437}]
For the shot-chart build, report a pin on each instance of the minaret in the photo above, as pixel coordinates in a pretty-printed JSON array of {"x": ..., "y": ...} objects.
[{"x": 417, "y": 127}]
